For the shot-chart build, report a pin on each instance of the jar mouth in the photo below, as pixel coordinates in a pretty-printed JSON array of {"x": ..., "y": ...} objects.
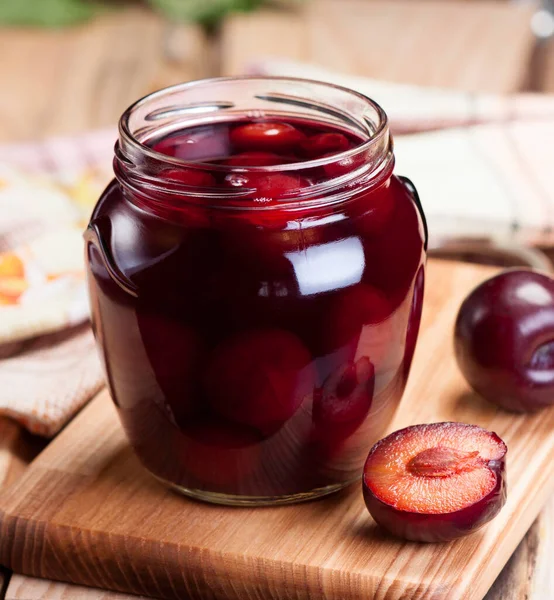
[
  {"x": 222, "y": 99},
  {"x": 380, "y": 129}
]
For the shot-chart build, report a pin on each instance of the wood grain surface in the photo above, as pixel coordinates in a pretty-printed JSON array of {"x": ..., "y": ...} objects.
[
  {"x": 12, "y": 463},
  {"x": 17, "y": 449},
  {"x": 528, "y": 575},
  {"x": 85, "y": 511},
  {"x": 30, "y": 588},
  {"x": 64, "y": 81},
  {"x": 543, "y": 76},
  {"x": 428, "y": 42}
]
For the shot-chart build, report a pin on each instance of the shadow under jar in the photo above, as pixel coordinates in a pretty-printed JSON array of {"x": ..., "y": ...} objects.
[{"x": 256, "y": 276}]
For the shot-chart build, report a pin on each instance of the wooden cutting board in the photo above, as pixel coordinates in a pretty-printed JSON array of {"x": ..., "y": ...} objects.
[{"x": 86, "y": 512}]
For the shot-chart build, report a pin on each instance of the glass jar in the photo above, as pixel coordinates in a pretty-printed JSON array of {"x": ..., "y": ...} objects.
[{"x": 256, "y": 286}]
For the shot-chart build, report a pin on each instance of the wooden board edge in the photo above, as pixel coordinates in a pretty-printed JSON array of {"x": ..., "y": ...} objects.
[
  {"x": 65, "y": 540},
  {"x": 71, "y": 549}
]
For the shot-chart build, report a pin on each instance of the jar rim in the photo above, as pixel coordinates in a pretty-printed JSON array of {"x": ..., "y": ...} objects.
[{"x": 381, "y": 127}]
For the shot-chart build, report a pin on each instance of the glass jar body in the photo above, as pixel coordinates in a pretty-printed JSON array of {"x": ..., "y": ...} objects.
[{"x": 255, "y": 357}]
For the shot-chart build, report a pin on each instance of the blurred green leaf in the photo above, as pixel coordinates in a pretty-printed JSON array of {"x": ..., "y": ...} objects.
[
  {"x": 59, "y": 13},
  {"x": 207, "y": 12},
  {"x": 46, "y": 13}
]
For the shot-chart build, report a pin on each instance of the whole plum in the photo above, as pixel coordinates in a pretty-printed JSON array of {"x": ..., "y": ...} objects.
[{"x": 504, "y": 340}]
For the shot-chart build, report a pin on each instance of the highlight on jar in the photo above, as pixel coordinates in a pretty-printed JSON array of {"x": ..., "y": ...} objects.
[{"x": 256, "y": 273}]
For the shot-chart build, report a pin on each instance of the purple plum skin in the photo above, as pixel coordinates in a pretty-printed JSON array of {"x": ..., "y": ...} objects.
[
  {"x": 504, "y": 340},
  {"x": 440, "y": 527}
]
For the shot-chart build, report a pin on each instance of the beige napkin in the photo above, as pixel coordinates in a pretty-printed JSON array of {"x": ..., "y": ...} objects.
[
  {"x": 488, "y": 181},
  {"x": 48, "y": 362},
  {"x": 47, "y": 379}
]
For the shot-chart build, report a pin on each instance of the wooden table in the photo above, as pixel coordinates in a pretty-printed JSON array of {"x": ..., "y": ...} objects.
[
  {"x": 59, "y": 82},
  {"x": 428, "y": 42},
  {"x": 84, "y": 77}
]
